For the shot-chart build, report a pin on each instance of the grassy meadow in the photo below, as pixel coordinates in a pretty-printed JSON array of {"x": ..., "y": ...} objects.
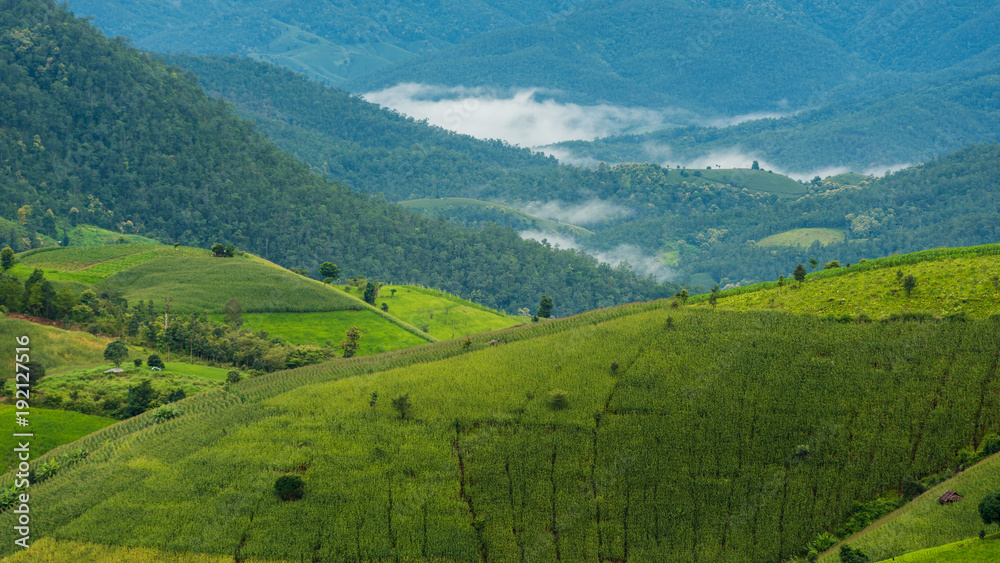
[
  {"x": 328, "y": 329},
  {"x": 204, "y": 283},
  {"x": 803, "y": 238},
  {"x": 445, "y": 316},
  {"x": 951, "y": 284},
  {"x": 51, "y": 428},
  {"x": 642, "y": 433},
  {"x": 53, "y": 347},
  {"x": 91, "y": 264}
]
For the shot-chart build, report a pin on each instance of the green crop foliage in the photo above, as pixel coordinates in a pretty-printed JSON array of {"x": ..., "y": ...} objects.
[
  {"x": 695, "y": 437},
  {"x": 50, "y": 549},
  {"x": 51, "y": 428},
  {"x": 91, "y": 264},
  {"x": 923, "y": 523}
]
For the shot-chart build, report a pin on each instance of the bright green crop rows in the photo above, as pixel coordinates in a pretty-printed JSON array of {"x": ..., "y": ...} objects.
[
  {"x": 714, "y": 436},
  {"x": 100, "y": 260}
]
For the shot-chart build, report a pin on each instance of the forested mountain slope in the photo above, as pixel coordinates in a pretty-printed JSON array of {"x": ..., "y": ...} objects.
[
  {"x": 644, "y": 53},
  {"x": 331, "y": 41},
  {"x": 370, "y": 148},
  {"x": 949, "y": 201},
  {"x": 92, "y": 124}
]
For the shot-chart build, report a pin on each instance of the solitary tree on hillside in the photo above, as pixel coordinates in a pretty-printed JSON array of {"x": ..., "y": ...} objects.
[
  {"x": 800, "y": 274},
  {"x": 116, "y": 352},
  {"x": 350, "y": 344},
  {"x": 369, "y": 295},
  {"x": 682, "y": 295},
  {"x": 755, "y": 166},
  {"x": 155, "y": 361},
  {"x": 813, "y": 263},
  {"x": 7, "y": 258},
  {"x": 909, "y": 284},
  {"x": 545, "y": 307},
  {"x": 713, "y": 297},
  {"x": 989, "y": 509},
  {"x": 402, "y": 405},
  {"x": 218, "y": 249},
  {"x": 850, "y": 555},
  {"x": 329, "y": 272}
]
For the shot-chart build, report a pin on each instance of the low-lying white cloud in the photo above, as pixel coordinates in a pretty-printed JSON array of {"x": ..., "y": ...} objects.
[
  {"x": 586, "y": 213},
  {"x": 642, "y": 263},
  {"x": 529, "y": 117},
  {"x": 737, "y": 158},
  {"x": 521, "y": 117}
]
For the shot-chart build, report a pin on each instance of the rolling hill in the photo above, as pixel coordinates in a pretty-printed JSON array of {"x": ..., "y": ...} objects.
[
  {"x": 956, "y": 282},
  {"x": 571, "y": 439}
]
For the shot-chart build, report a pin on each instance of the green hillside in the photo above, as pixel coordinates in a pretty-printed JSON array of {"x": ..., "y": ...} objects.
[
  {"x": 204, "y": 283},
  {"x": 194, "y": 279},
  {"x": 756, "y": 181},
  {"x": 52, "y": 427},
  {"x": 660, "y": 210},
  {"x": 327, "y": 329},
  {"x": 966, "y": 551},
  {"x": 925, "y": 524},
  {"x": 445, "y": 316},
  {"x": 53, "y": 347},
  {"x": 501, "y": 450},
  {"x": 948, "y": 283}
]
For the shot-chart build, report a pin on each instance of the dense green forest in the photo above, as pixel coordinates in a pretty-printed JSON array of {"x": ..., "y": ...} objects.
[
  {"x": 950, "y": 201},
  {"x": 367, "y": 147},
  {"x": 97, "y": 132}
]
